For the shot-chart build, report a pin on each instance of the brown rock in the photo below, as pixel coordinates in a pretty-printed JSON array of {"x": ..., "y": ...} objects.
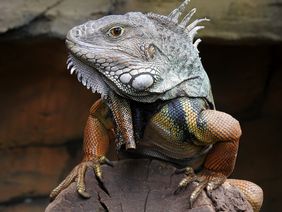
[
  {"x": 17, "y": 13},
  {"x": 41, "y": 102},
  {"x": 144, "y": 185},
  {"x": 31, "y": 171},
  {"x": 70, "y": 13},
  {"x": 54, "y": 17},
  {"x": 28, "y": 205},
  {"x": 230, "y": 20}
]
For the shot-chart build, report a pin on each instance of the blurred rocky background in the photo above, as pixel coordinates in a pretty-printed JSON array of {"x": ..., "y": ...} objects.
[{"x": 43, "y": 108}]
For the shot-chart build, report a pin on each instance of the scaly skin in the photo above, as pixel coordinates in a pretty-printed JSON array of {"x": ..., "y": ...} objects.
[
  {"x": 252, "y": 192},
  {"x": 181, "y": 128},
  {"x": 156, "y": 100},
  {"x": 96, "y": 142}
]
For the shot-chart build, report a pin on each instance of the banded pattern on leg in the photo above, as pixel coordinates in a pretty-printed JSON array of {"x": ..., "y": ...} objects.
[
  {"x": 219, "y": 129},
  {"x": 224, "y": 131},
  {"x": 209, "y": 126},
  {"x": 96, "y": 139},
  {"x": 170, "y": 132},
  {"x": 95, "y": 146}
]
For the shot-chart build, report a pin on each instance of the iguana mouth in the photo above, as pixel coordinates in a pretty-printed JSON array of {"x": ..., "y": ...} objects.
[
  {"x": 93, "y": 79},
  {"x": 123, "y": 73}
]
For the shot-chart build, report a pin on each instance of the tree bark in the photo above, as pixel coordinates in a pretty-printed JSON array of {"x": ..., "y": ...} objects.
[{"x": 145, "y": 185}]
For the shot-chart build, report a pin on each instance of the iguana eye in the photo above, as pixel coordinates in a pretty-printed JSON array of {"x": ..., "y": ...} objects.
[{"x": 116, "y": 31}]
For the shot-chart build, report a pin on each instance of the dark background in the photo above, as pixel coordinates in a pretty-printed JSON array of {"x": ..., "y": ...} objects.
[{"x": 43, "y": 108}]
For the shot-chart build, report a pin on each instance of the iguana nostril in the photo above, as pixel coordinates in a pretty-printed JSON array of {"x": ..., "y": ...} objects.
[
  {"x": 142, "y": 82},
  {"x": 76, "y": 32}
]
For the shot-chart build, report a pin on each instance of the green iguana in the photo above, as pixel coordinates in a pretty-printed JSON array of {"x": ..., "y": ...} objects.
[{"x": 156, "y": 99}]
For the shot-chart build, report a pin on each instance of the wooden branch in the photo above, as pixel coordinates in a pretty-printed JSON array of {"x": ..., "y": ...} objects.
[{"x": 145, "y": 185}]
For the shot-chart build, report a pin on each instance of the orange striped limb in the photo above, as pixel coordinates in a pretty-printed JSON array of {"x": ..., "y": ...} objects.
[
  {"x": 223, "y": 131},
  {"x": 96, "y": 132},
  {"x": 95, "y": 145}
]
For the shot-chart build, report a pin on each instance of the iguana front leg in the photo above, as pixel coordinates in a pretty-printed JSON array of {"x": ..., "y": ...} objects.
[
  {"x": 223, "y": 131},
  {"x": 219, "y": 129},
  {"x": 95, "y": 146}
]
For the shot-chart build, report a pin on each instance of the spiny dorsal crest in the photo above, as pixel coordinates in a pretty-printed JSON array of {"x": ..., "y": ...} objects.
[{"x": 173, "y": 20}]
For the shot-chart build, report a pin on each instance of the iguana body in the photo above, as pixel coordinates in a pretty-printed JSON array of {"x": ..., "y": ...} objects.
[{"x": 156, "y": 99}]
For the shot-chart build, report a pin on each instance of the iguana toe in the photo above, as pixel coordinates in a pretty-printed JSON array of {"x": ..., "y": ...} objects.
[
  {"x": 78, "y": 175},
  {"x": 190, "y": 177},
  {"x": 206, "y": 180}
]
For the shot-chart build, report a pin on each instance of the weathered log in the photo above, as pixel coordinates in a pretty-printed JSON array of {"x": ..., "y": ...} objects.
[{"x": 145, "y": 185}]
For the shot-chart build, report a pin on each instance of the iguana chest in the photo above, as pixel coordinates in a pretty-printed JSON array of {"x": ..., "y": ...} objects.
[{"x": 162, "y": 130}]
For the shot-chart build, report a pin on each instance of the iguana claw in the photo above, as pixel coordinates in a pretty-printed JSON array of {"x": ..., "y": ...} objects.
[
  {"x": 97, "y": 166},
  {"x": 206, "y": 180},
  {"x": 78, "y": 175},
  {"x": 190, "y": 176}
]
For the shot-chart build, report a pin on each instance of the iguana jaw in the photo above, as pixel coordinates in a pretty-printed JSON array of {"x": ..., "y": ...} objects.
[
  {"x": 88, "y": 76},
  {"x": 102, "y": 81},
  {"x": 124, "y": 73}
]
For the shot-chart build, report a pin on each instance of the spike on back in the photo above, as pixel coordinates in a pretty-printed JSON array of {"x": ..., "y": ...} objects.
[
  {"x": 189, "y": 28},
  {"x": 187, "y": 18},
  {"x": 175, "y": 14},
  {"x": 185, "y": 24}
]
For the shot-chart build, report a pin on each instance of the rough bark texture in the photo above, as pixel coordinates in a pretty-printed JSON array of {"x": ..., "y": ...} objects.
[{"x": 144, "y": 185}]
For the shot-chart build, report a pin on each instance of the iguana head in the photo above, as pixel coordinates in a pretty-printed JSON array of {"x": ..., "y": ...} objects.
[{"x": 139, "y": 56}]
